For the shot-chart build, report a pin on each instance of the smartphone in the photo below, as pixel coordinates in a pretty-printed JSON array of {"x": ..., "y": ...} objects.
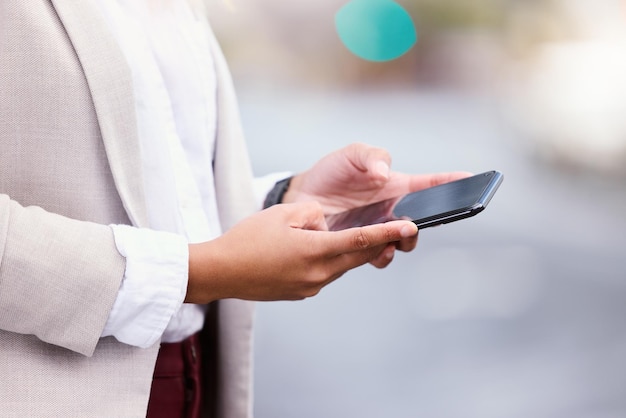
[{"x": 436, "y": 205}]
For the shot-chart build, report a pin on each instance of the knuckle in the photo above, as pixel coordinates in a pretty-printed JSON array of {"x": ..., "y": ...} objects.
[
  {"x": 361, "y": 239},
  {"x": 316, "y": 280},
  {"x": 378, "y": 264},
  {"x": 390, "y": 235},
  {"x": 320, "y": 277},
  {"x": 308, "y": 290},
  {"x": 314, "y": 291}
]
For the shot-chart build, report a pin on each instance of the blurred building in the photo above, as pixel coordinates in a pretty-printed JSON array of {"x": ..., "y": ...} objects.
[{"x": 567, "y": 95}]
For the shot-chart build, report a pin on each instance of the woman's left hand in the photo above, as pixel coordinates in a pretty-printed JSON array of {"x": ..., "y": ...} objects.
[{"x": 357, "y": 175}]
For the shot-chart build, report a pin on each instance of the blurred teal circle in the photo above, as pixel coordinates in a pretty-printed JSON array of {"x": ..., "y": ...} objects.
[{"x": 375, "y": 30}]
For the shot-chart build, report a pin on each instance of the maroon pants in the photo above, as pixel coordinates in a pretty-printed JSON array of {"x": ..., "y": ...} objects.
[{"x": 177, "y": 382}]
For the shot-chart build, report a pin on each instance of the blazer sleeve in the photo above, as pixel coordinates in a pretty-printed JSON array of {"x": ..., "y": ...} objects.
[{"x": 58, "y": 277}]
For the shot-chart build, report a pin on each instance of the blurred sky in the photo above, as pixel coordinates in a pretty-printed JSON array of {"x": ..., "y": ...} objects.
[{"x": 517, "y": 312}]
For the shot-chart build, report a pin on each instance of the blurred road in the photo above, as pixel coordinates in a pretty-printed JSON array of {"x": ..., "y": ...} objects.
[{"x": 518, "y": 312}]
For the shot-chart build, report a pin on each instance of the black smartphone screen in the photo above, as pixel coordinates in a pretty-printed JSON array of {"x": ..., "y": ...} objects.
[{"x": 429, "y": 207}]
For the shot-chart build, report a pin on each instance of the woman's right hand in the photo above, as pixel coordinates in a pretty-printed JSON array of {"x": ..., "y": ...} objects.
[{"x": 286, "y": 253}]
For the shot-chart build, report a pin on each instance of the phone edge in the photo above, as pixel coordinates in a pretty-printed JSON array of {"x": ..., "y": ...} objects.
[{"x": 473, "y": 210}]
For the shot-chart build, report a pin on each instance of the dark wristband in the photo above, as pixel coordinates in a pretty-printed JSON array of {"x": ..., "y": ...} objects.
[{"x": 275, "y": 196}]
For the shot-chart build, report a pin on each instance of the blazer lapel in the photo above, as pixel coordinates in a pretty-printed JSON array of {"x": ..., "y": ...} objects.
[{"x": 111, "y": 89}]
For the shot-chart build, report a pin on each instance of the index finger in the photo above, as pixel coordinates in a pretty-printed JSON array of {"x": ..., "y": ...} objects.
[
  {"x": 424, "y": 181},
  {"x": 368, "y": 158}
]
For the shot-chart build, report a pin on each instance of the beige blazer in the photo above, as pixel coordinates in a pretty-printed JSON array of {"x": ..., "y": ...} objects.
[{"x": 69, "y": 166}]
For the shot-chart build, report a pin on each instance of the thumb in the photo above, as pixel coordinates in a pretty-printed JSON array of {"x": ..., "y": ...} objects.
[{"x": 361, "y": 238}]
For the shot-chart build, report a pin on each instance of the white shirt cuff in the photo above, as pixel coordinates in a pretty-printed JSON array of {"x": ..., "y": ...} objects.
[{"x": 154, "y": 284}]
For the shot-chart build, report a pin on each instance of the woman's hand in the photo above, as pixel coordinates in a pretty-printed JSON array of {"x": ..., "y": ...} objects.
[
  {"x": 285, "y": 253},
  {"x": 358, "y": 175}
]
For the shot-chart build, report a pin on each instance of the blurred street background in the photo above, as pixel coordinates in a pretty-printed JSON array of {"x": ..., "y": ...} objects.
[{"x": 518, "y": 312}]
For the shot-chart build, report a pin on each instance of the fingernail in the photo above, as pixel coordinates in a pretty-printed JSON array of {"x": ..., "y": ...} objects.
[
  {"x": 382, "y": 168},
  {"x": 408, "y": 231}
]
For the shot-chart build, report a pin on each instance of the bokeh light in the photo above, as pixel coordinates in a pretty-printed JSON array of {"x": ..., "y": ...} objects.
[{"x": 375, "y": 30}]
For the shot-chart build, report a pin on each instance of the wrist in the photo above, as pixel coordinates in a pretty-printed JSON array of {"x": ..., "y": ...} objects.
[
  {"x": 291, "y": 194},
  {"x": 203, "y": 284}
]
